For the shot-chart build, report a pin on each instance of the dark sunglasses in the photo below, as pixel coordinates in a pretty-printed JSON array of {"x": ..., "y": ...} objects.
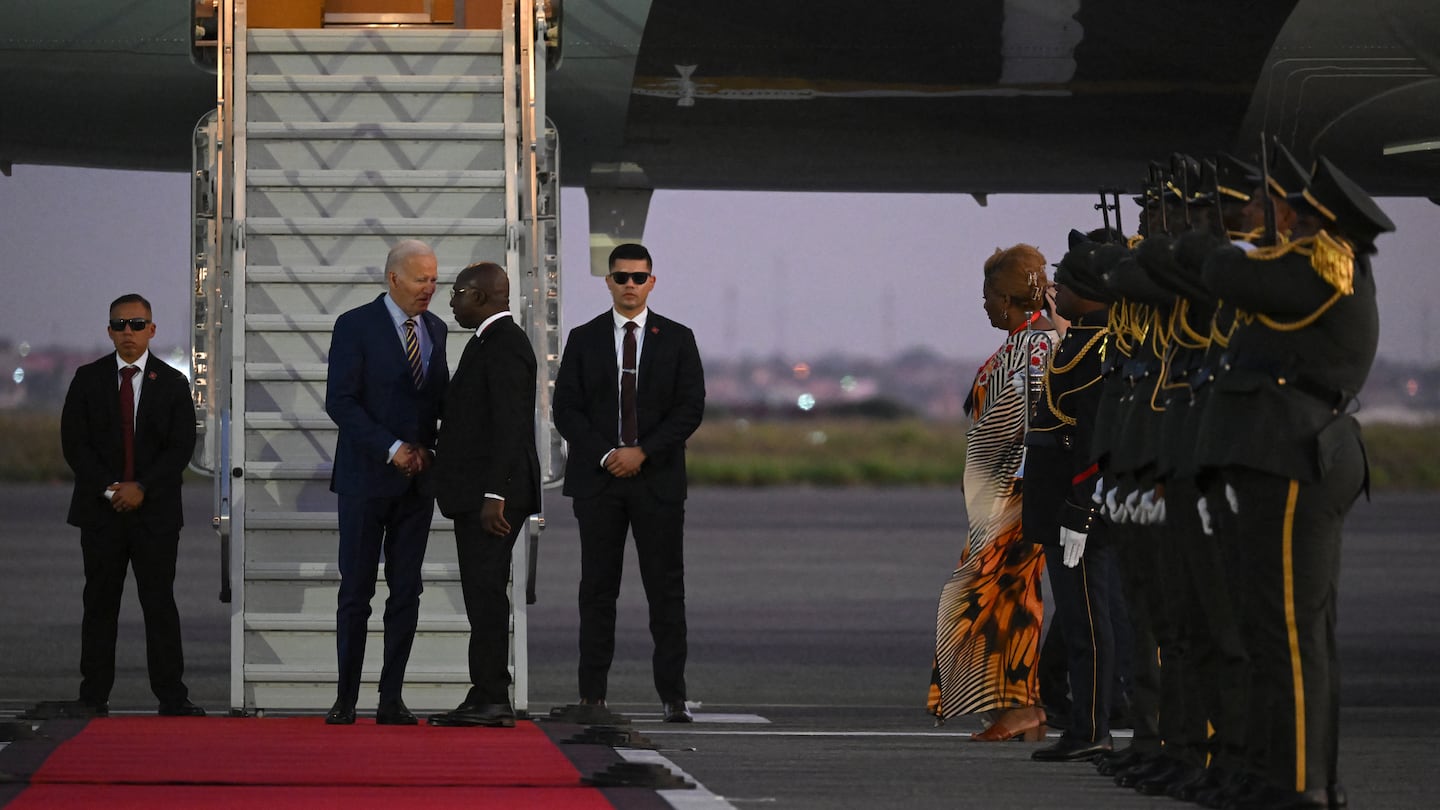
[
  {"x": 456, "y": 292},
  {"x": 621, "y": 277},
  {"x": 135, "y": 324}
]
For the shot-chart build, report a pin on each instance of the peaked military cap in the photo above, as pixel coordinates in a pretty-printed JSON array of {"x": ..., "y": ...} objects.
[
  {"x": 1287, "y": 177},
  {"x": 1235, "y": 178},
  {"x": 1186, "y": 182},
  {"x": 1342, "y": 202}
]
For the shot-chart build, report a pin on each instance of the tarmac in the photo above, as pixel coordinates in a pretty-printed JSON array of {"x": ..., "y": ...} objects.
[{"x": 811, "y": 615}]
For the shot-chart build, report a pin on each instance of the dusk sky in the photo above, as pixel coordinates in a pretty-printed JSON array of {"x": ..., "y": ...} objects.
[{"x": 753, "y": 273}]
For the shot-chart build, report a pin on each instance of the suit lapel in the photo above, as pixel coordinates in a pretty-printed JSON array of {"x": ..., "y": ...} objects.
[
  {"x": 654, "y": 333},
  {"x": 149, "y": 383}
]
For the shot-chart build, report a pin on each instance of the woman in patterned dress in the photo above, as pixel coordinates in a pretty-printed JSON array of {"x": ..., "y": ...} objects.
[{"x": 988, "y": 628}]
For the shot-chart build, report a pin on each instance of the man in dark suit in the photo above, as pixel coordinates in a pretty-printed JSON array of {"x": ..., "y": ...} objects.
[
  {"x": 487, "y": 479},
  {"x": 385, "y": 388},
  {"x": 626, "y": 424},
  {"x": 128, "y": 430}
]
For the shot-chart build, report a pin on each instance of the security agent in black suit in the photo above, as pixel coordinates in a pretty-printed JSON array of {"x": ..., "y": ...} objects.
[
  {"x": 127, "y": 502},
  {"x": 384, "y": 394},
  {"x": 630, "y": 476},
  {"x": 1279, "y": 430},
  {"x": 1062, "y": 512},
  {"x": 487, "y": 479}
]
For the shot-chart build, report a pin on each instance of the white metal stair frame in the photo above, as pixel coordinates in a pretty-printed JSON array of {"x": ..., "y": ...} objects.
[{"x": 341, "y": 142}]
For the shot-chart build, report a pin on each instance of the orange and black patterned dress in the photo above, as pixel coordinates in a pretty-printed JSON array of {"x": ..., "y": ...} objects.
[{"x": 987, "y": 632}]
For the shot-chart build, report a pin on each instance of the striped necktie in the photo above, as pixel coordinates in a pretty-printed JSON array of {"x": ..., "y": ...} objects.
[{"x": 412, "y": 353}]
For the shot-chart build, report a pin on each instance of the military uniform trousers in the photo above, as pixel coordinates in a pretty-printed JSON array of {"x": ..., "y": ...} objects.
[{"x": 1290, "y": 552}]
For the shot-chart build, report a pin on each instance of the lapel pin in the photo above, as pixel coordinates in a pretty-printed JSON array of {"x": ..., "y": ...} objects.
[
  {"x": 151, "y": 376},
  {"x": 654, "y": 330}
]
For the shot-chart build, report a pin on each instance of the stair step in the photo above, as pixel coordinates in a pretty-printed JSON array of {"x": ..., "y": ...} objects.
[
  {"x": 375, "y": 84},
  {"x": 280, "y": 673},
  {"x": 370, "y": 226},
  {"x": 303, "y": 623},
  {"x": 370, "y": 179},
  {"x": 318, "y": 520},
  {"x": 387, "y": 42},
  {"x": 330, "y": 571},
  {"x": 404, "y": 131}
]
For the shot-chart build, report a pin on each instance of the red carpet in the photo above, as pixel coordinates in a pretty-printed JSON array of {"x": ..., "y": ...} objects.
[
  {"x": 153, "y": 797},
  {"x": 282, "y": 763}
]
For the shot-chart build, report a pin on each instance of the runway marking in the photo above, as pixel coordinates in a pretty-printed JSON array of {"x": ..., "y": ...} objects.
[
  {"x": 699, "y": 797},
  {"x": 705, "y": 717},
  {"x": 1119, "y": 735}
]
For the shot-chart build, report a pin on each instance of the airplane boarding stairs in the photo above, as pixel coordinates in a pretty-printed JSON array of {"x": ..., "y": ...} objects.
[{"x": 345, "y": 141}]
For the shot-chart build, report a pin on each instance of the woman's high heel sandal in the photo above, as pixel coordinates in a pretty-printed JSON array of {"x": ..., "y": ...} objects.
[{"x": 1026, "y": 724}]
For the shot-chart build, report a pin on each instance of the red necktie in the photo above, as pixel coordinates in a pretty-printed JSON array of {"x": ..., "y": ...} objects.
[
  {"x": 629, "y": 423},
  {"x": 127, "y": 419}
]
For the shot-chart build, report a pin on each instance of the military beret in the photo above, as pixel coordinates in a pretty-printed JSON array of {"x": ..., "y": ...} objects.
[
  {"x": 1077, "y": 270},
  {"x": 1126, "y": 279}
]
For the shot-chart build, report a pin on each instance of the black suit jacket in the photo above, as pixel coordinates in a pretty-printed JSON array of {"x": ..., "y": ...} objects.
[
  {"x": 369, "y": 394},
  {"x": 94, "y": 447},
  {"x": 487, "y": 439},
  {"x": 670, "y": 402},
  {"x": 1268, "y": 409}
]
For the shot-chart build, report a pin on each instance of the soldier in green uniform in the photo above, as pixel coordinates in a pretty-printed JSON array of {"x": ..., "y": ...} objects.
[{"x": 1278, "y": 429}]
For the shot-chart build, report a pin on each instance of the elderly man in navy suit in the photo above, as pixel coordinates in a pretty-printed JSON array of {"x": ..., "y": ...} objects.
[
  {"x": 385, "y": 389},
  {"x": 629, "y": 392}
]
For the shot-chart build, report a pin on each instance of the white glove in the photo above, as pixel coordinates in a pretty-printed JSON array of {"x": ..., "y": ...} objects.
[
  {"x": 1074, "y": 544},
  {"x": 1232, "y": 499},
  {"x": 1112, "y": 506},
  {"x": 1203, "y": 507},
  {"x": 1130, "y": 507},
  {"x": 1151, "y": 509},
  {"x": 1098, "y": 497}
]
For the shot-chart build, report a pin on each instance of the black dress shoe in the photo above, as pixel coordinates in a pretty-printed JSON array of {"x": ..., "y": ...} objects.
[
  {"x": 493, "y": 715},
  {"x": 1157, "y": 768},
  {"x": 182, "y": 709},
  {"x": 1238, "y": 789},
  {"x": 675, "y": 712},
  {"x": 394, "y": 713},
  {"x": 1072, "y": 749},
  {"x": 1113, "y": 763},
  {"x": 341, "y": 714},
  {"x": 95, "y": 708},
  {"x": 1161, "y": 784},
  {"x": 592, "y": 702},
  {"x": 1274, "y": 798},
  {"x": 1208, "y": 779}
]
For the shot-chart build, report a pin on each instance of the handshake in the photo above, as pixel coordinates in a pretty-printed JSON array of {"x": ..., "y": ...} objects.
[{"x": 412, "y": 459}]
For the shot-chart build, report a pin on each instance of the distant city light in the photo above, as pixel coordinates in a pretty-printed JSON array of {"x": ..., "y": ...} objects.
[
  {"x": 805, "y": 402},
  {"x": 802, "y": 371},
  {"x": 19, "y": 375},
  {"x": 1412, "y": 386},
  {"x": 24, "y": 348},
  {"x": 847, "y": 383}
]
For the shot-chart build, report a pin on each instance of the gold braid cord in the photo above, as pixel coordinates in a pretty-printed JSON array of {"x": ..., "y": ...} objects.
[
  {"x": 1332, "y": 258},
  {"x": 1180, "y": 330},
  {"x": 1053, "y": 370}
]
